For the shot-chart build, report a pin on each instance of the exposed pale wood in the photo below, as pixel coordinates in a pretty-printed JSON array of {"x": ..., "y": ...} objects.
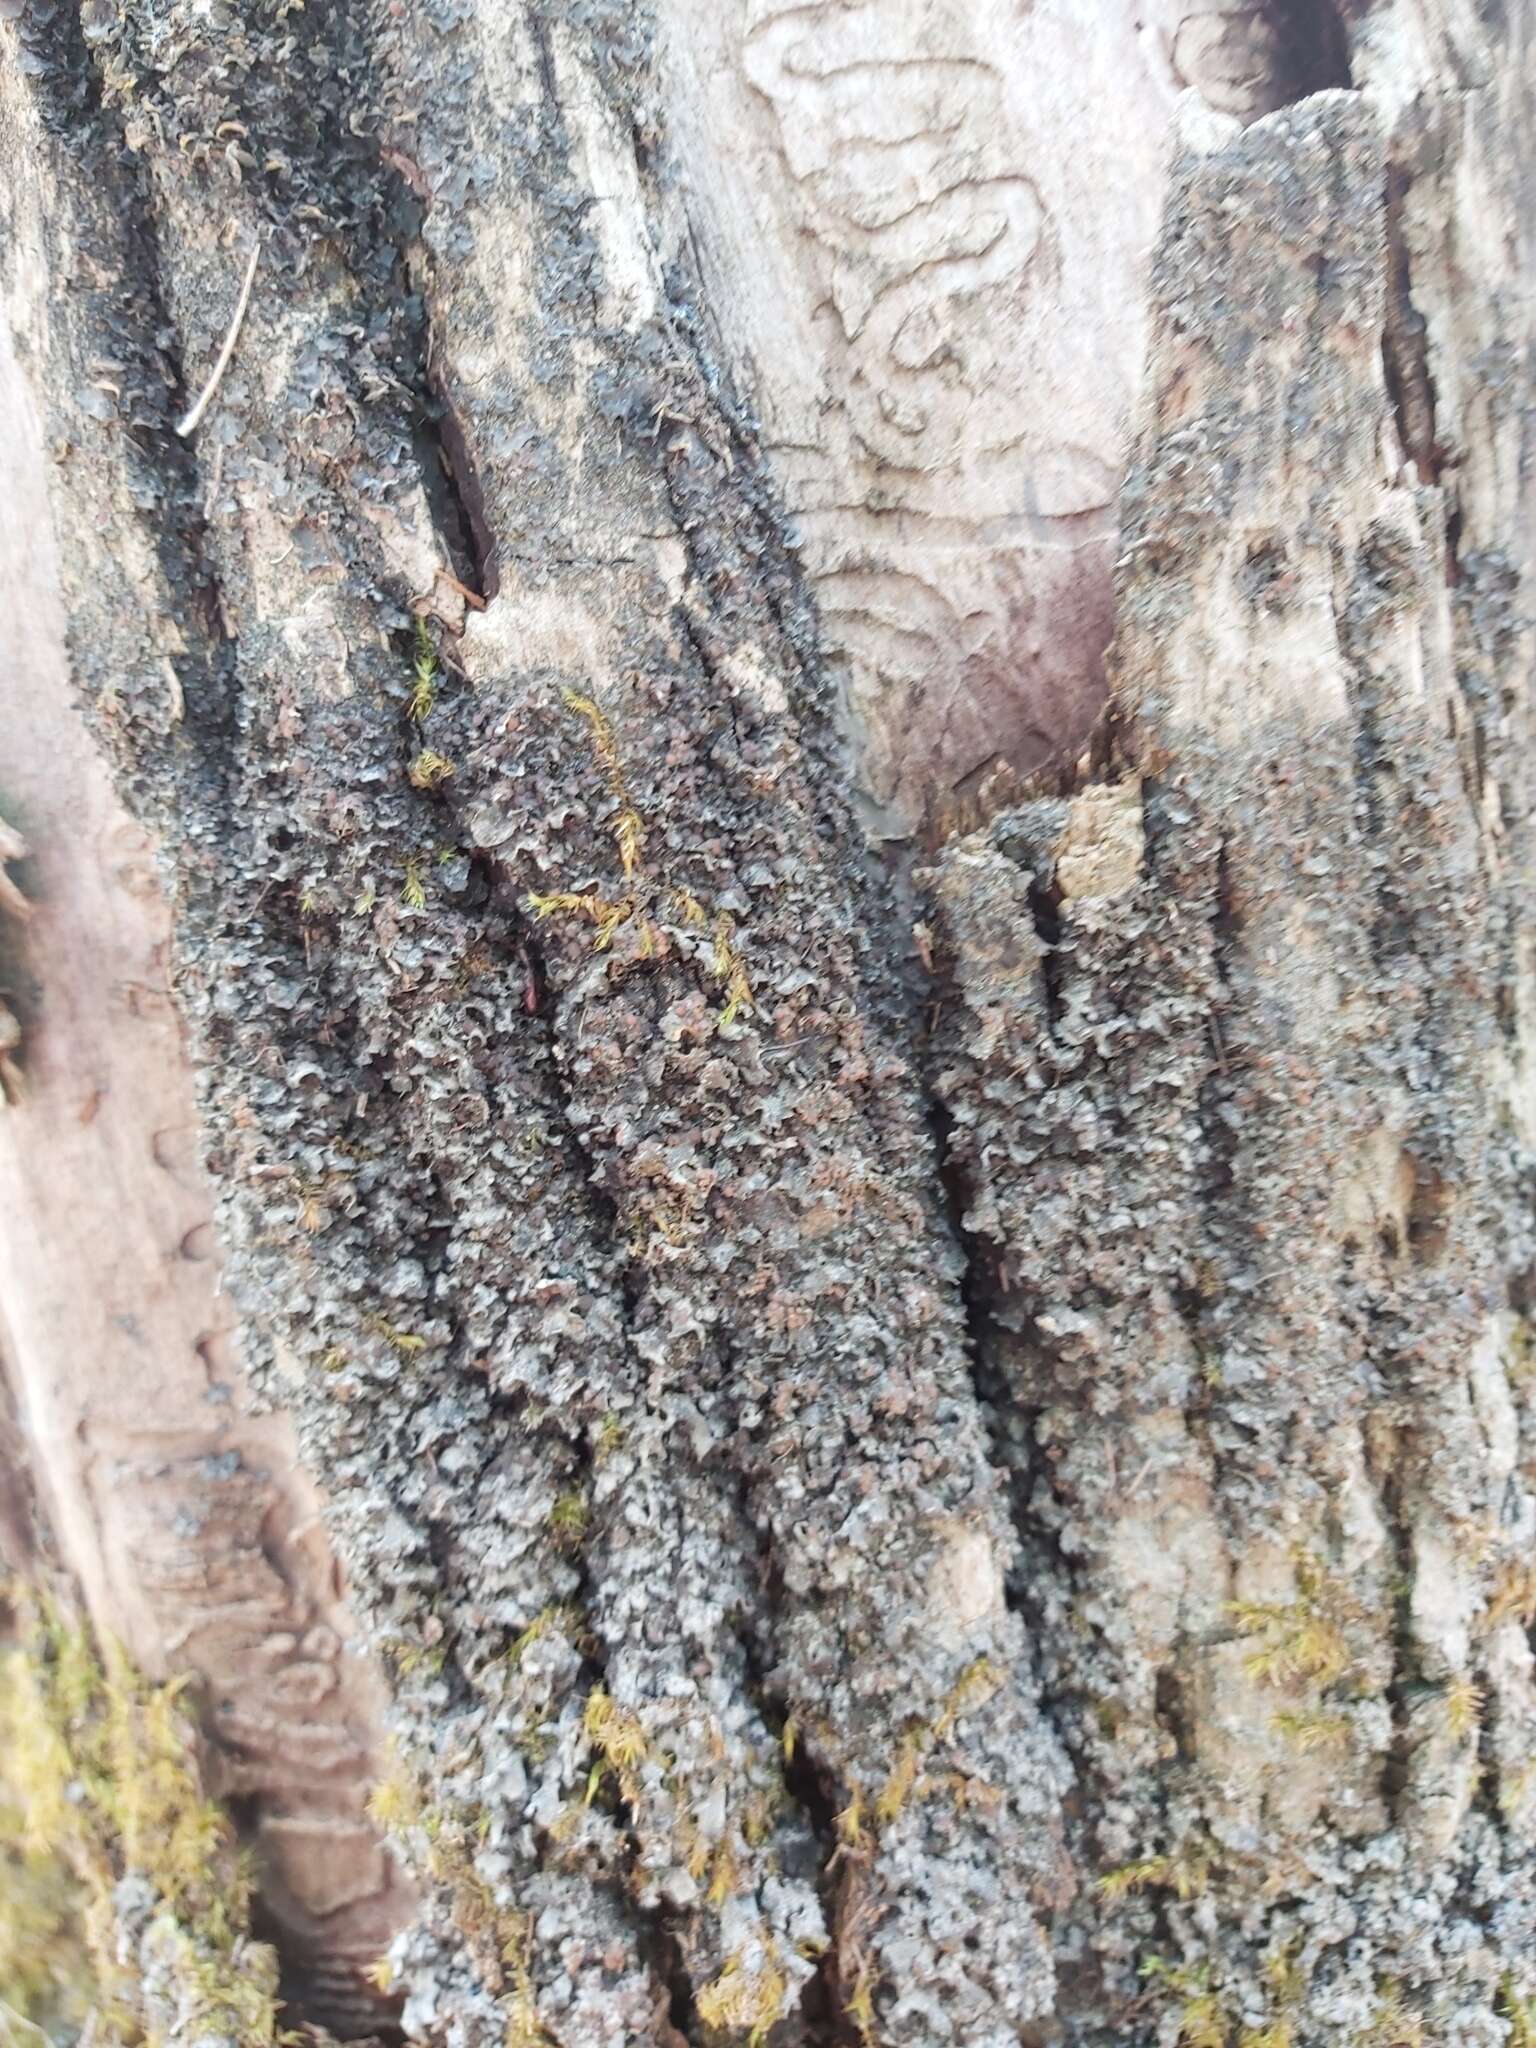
[{"x": 182, "y": 1513}]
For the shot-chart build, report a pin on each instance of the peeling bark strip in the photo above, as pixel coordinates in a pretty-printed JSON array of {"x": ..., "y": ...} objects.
[{"x": 565, "y": 1104}]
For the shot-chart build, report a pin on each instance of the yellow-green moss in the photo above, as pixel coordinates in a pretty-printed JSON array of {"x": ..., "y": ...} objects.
[
  {"x": 976, "y": 1684},
  {"x": 746, "y": 1998},
  {"x": 619, "y": 1740},
  {"x": 610, "y": 915},
  {"x": 568, "y": 1519},
  {"x": 1202, "y": 2021},
  {"x": 559, "y": 1620},
  {"x": 1463, "y": 1704},
  {"x": 429, "y": 769},
  {"x": 415, "y": 1660},
  {"x": 1396, "y": 2025},
  {"x": 1520, "y": 1352},
  {"x": 98, "y": 1784},
  {"x": 442, "y": 1841},
  {"x": 406, "y": 1342},
  {"x": 413, "y": 888},
  {"x": 424, "y": 672},
  {"x": 1185, "y": 1873},
  {"x": 1302, "y": 1642},
  {"x": 1520, "y": 2013},
  {"x": 46, "y": 1975},
  {"x": 1311, "y": 1729}
]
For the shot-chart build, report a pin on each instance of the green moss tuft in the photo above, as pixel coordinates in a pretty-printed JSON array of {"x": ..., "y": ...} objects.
[{"x": 98, "y": 1786}]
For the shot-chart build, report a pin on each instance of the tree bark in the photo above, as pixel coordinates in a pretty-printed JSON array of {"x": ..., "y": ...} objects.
[{"x": 900, "y": 1247}]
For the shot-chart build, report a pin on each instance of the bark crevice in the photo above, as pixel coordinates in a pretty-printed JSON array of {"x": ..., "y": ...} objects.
[{"x": 1405, "y": 346}]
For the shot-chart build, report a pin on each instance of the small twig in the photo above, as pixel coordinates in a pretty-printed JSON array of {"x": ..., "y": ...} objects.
[
  {"x": 1135, "y": 1486},
  {"x": 178, "y": 702},
  {"x": 186, "y": 426},
  {"x": 1217, "y": 1046},
  {"x": 471, "y": 597}
]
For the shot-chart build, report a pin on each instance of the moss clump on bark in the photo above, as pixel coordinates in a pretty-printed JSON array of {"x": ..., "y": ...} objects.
[
  {"x": 446, "y": 1840},
  {"x": 123, "y": 1897}
]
